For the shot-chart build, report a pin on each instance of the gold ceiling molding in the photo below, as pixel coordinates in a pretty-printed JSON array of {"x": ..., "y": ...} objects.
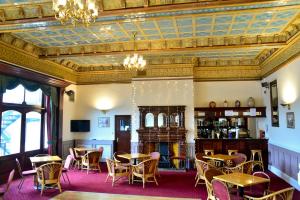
[
  {"x": 227, "y": 73},
  {"x": 25, "y": 60},
  {"x": 17, "y": 43},
  {"x": 281, "y": 58},
  {"x": 116, "y": 76},
  {"x": 176, "y": 45},
  {"x": 30, "y": 12}
]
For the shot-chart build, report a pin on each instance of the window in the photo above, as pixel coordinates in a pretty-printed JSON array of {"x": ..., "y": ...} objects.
[
  {"x": 33, "y": 131},
  {"x": 23, "y": 125},
  {"x": 10, "y": 132}
]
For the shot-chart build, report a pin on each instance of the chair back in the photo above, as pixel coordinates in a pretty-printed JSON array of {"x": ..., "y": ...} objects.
[
  {"x": 247, "y": 167},
  {"x": 93, "y": 157},
  {"x": 101, "y": 149},
  {"x": 149, "y": 166},
  {"x": 240, "y": 159},
  {"x": 49, "y": 172},
  {"x": 110, "y": 165},
  {"x": 72, "y": 153},
  {"x": 202, "y": 166},
  {"x": 119, "y": 159},
  {"x": 10, "y": 179},
  {"x": 155, "y": 155},
  {"x": 220, "y": 190},
  {"x": 284, "y": 194},
  {"x": 210, "y": 173},
  {"x": 262, "y": 188},
  {"x": 68, "y": 162},
  {"x": 199, "y": 156},
  {"x": 19, "y": 167}
]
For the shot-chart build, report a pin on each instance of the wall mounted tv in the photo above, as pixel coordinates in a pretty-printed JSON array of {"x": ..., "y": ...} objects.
[{"x": 80, "y": 125}]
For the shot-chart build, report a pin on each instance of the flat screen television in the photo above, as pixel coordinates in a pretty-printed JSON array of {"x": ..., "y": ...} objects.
[{"x": 80, "y": 125}]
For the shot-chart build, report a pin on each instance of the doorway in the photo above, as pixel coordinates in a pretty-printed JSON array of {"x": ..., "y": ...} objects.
[{"x": 123, "y": 133}]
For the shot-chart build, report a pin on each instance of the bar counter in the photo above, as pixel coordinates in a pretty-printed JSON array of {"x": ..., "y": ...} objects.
[{"x": 242, "y": 145}]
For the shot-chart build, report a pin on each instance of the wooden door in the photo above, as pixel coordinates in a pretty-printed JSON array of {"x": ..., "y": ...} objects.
[{"x": 122, "y": 133}]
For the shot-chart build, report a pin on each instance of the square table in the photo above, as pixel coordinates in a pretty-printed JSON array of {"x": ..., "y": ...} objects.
[
  {"x": 241, "y": 180},
  {"x": 220, "y": 157},
  {"x": 134, "y": 156},
  {"x": 44, "y": 159}
]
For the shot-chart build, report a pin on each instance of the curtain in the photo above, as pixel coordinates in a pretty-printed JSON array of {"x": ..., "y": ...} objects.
[{"x": 9, "y": 82}]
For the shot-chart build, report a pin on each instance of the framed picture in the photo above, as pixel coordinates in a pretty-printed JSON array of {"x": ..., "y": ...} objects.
[
  {"x": 290, "y": 120},
  {"x": 103, "y": 122}
]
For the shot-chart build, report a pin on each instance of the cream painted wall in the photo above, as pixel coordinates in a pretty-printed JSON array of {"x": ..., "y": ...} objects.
[
  {"x": 288, "y": 84},
  {"x": 164, "y": 92},
  {"x": 218, "y": 91},
  {"x": 89, "y": 100}
]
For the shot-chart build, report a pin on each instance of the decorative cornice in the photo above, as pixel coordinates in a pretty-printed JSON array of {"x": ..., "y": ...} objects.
[{"x": 27, "y": 61}]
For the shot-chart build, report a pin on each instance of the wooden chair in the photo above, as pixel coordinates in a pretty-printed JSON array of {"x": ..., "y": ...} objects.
[
  {"x": 221, "y": 191},
  {"x": 145, "y": 170},
  {"x": 208, "y": 177},
  {"x": 155, "y": 155},
  {"x": 284, "y": 194},
  {"x": 116, "y": 171},
  {"x": 4, "y": 189},
  {"x": 49, "y": 174},
  {"x": 67, "y": 167},
  {"x": 90, "y": 161},
  {"x": 245, "y": 167},
  {"x": 101, "y": 149},
  {"x": 75, "y": 158},
  {"x": 23, "y": 173},
  {"x": 201, "y": 166}
]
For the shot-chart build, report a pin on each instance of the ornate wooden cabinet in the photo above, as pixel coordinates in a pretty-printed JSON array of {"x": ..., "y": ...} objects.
[{"x": 162, "y": 129}]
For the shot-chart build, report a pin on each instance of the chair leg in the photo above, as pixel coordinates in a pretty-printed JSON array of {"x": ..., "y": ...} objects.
[
  {"x": 42, "y": 189},
  {"x": 62, "y": 174},
  {"x": 67, "y": 177},
  {"x": 144, "y": 182},
  {"x": 21, "y": 183},
  {"x": 59, "y": 187},
  {"x": 155, "y": 181},
  {"x": 107, "y": 178},
  {"x": 99, "y": 168},
  {"x": 113, "y": 181},
  {"x": 197, "y": 181}
]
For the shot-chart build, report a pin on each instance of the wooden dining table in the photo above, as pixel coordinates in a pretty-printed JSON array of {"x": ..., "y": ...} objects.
[
  {"x": 134, "y": 156},
  {"x": 44, "y": 159},
  {"x": 241, "y": 180},
  {"x": 220, "y": 157}
]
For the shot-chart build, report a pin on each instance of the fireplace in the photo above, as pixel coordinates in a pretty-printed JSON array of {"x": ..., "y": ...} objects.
[{"x": 165, "y": 134}]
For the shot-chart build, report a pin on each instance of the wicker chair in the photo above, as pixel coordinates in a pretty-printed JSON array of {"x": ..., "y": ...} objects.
[
  {"x": 201, "y": 166},
  {"x": 116, "y": 171},
  {"x": 23, "y": 173},
  {"x": 208, "y": 176},
  {"x": 75, "y": 158},
  {"x": 49, "y": 174},
  {"x": 245, "y": 167},
  {"x": 67, "y": 167},
  {"x": 145, "y": 170},
  {"x": 221, "y": 191},
  {"x": 90, "y": 161},
  {"x": 236, "y": 161},
  {"x": 4, "y": 189},
  {"x": 155, "y": 155},
  {"x": 261, "y": 189},
  {"x": 284, "y": 194}
]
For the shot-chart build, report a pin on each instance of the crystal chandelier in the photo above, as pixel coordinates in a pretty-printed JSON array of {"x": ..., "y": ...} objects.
[
  {"x": 134, "y": 62},
  {"x": 76, "y": 11}
]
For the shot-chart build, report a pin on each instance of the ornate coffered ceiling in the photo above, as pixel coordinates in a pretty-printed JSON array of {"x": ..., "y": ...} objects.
[{"x": 209, "y": 40}]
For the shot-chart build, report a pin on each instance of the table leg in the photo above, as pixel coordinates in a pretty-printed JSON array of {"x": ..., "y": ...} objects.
[{"x": 241, "y": 191}]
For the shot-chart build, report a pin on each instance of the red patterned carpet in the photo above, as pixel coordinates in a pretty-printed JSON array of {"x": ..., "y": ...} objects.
[{"x": 171, "y": 184}]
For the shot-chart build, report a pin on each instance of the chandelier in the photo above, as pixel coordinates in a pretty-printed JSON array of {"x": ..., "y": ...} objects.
[
  {"x": 84, "y": 11},
  {"x": 134, "y": 62}
]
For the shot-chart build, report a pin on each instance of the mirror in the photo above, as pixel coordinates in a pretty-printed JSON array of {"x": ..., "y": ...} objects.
[
  {"x": 274, "y": 104},
  {"x": 174, "y": 120},
  {"x": 162, "y": 120},
  {"x": 149, "y": 120}
]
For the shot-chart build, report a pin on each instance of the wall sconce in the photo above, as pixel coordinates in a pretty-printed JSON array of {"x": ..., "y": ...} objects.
[
  {"x": 286, "y": 104},
  {"x": 265, "y": 85},
  {"x": 71, "y": 95}
]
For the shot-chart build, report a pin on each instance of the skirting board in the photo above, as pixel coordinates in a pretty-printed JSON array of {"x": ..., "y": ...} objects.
[{"x": 285, "y": 177}]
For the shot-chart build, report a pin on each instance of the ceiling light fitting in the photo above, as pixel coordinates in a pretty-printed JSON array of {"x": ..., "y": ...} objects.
[
  {"x": 134, "y": 62},
  {"x": 76, "y": 11}
]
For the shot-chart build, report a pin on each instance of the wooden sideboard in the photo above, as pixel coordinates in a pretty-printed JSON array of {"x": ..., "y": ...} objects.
[{"x": 242, "y": 145}]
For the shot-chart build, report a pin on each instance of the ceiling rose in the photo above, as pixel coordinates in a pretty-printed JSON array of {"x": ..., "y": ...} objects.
[{"x": 75, "y": 11}]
